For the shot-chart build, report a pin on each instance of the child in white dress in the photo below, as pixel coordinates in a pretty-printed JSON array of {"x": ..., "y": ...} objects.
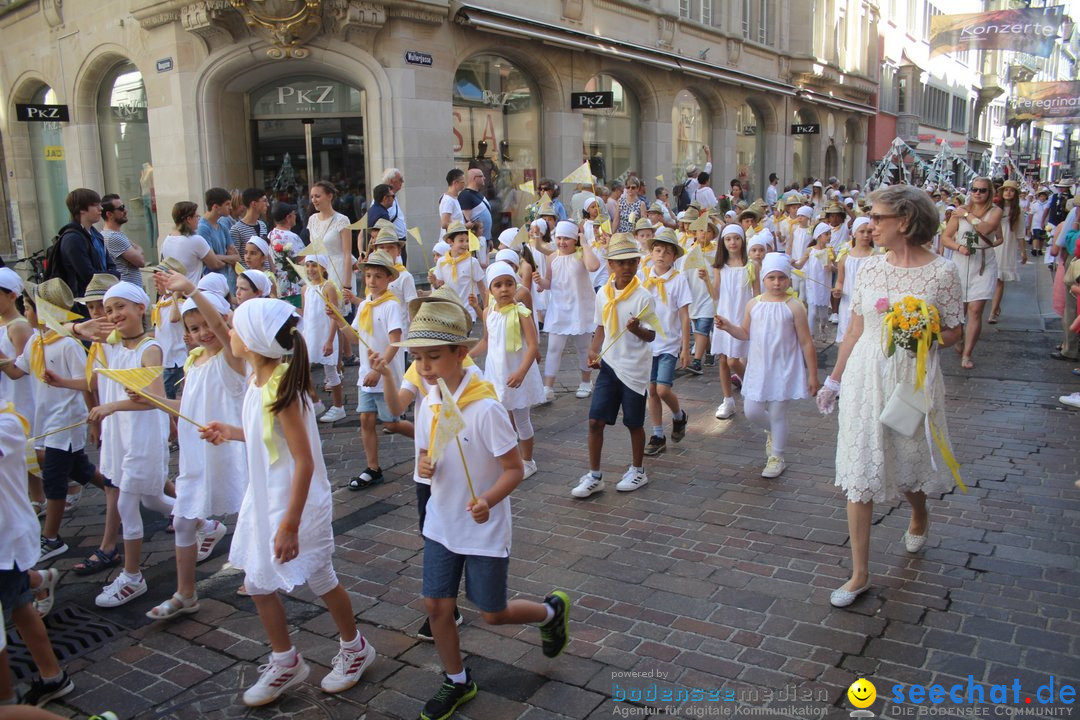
[
  {"x": 847, "y": 268},
  {"x": 775, "y": 324},
  {"x": 817, "y": 266},
  {"x": 735, "y": 282},
  {"x": 796, "y": 247},
  {"x": 283, "y": 534},
  {"x": 320, "y": 333}
]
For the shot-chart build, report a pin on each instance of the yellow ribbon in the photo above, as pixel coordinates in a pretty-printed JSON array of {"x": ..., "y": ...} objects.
[
  {"x": 37, "y": 353},
  {"x": 947, "y": 456},
  {"x": 93, "y": 357},
  {"x": 477, "y": 389},
  {"x": 511, "y": 313},
  {"x": 610, "y": 312},
  {"x": 453, "y": 262},
  {"x": 155, "y": 312},
  {"x": 658, "y": 282},
  {"x": 367, "y": 315},
  {"x": 192, "y": 357},
  {"x": 10, "y": 408},
  {"x": 399, "y": 267},
  {"x": 269, "y": 397},
  {"x": 751, "y": 274},
  {"x": 412, "y": 375}
]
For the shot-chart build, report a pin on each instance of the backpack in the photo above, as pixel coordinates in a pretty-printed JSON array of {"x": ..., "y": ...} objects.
[
  {"x": 682, "y": 196},
  {"x": 53, "y": 260}
]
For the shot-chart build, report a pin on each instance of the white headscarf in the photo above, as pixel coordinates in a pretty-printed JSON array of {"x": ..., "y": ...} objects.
[
  {"x": 10, "y": 281},
  {"x": 214, "y": 283},
  {"x": 441, "y": 248},
  {"x": 567, "y": 229},
  {"x": 499, "y": 269},
  {"x": 776, "y": 262},
  {"x": 821, "y": 229},
  {"x": 259, "y": 280},
  {"x": 508, "y": 256},
  {"x": 541, "y": 225},
  {"x": 259, "y": 243},
  {"x": 220, "y": 304},
  {"x": 127, "y": 291},
  {"x": 733, "y": 230},
  {"x": 257, "y": 322},
  {"x": 859, "y": 222},
  {"x": 507, "y": 236}
]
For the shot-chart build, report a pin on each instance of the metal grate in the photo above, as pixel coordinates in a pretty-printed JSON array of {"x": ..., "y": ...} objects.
[{"x": 74, "y": 632}]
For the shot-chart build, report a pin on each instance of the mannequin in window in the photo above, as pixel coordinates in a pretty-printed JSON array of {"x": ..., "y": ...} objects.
[
  {"x": 485, "y": 165},
  {"x": 149, "y": 198}
]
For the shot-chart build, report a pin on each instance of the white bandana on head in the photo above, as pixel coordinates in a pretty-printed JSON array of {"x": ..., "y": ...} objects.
[
  {"x": 258, "y": 321},
  {"x": 214, "y": 283},
  {"x": 859, "y": 222},
  {"x": 733, "y": 230},
  {"x": 565, "y": 228},
  {"x": 10, "y": 281},
  {"x": 821, "y": 229},
  {"x": 499, "y": 269},
  {"x": 220, "y": 304},
  {"x": 259, "y": 280},
  {"x": 441, "y": 248},
  {"x": 776, "y": 262},
  {"x": 261, "y": 244},
  {"x": 508, "y": 256},
  {"x": 127, "y": 291}
]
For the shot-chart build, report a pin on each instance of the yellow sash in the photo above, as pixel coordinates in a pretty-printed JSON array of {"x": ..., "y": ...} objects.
[
  {"x": 399, "y": 267},
  {"x": 512, "y": 312},
  {"x": 269, "y": 396},
  {"x": 412, "y": 375},
  {"x": 610, "y": 312},
  {"x": 367, "y": 316},
  {"x": 751, "y": 273},
  {"x": 10, "y": 408},
  {"x": 194, "y": 355},
  {"x": 37, "y": 352},
  {"x": 155, "y": 312}
]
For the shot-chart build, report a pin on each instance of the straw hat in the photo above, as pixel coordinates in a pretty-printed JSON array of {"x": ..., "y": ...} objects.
[
  {"x": 656, "y": 207},
  {"x": 621, "y": 247},
  {"x": 666, "y": 236},
  {"x": 438, "y": 323},
  {"x": 792, "y": 199},
  {"x": 387, "y": 236},
  {"x": 97, "y": 287},
  {"x": 444, "y": 294},
  {"x": 834, "y": 208},
  {"x": 1010, "y": 184},
  {"x": 383, "y": 223},
  {"x": 455, "y": 228},
  {"x": 644, "y": 224},
  {"x": 169, "y": 264},
  {"x": 56, "y": 292},
  {"x": 750, "y": 212},
  {"x": 381, "y": 259}
]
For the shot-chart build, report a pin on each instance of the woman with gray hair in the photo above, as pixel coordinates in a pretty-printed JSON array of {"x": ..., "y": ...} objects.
[{"x": 874, "y": 461}]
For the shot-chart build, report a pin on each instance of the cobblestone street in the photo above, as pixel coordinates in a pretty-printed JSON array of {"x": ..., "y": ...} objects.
[{"x": 709, "y": 578}]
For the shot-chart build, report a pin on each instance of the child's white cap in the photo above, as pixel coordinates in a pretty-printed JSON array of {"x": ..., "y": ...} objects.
[
  {"x": 540, "y": 224},
  {"x": 566, "y": 229},
  {"x": 733, "y": 229},
  {"x": 821, "y": 228},
  {"x": 321, "y": 260},
  {"x": 507, "y": 256},
  {"x": 759, "y": 239},
  {"x": 220, "y": 304},
  {"x": 214, "y": 283},
  {"x": 261, "y": 244},
  {"x": 259, "y": 280},
  {"x": 258, "y": 321},
  {"x": 805, "y": 211},
  {"x": 498, "y": 270},
  {"x": 765, "y": 236},
  {"x": 730, "y": 215},
  {"x": 441, "y": 248},
  {"x": 773, "y": 262},
  {"x": 507, "y": 236},
  {"x": 128, "y": 291},
  {"x": 859, "y": 222}
]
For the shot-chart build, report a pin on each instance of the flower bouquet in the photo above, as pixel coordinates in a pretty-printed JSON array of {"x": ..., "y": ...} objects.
[
  {"x": 913, "y": 325},
  {"x": 972, "y": 241},
  {"x": 288, "y": 279}
]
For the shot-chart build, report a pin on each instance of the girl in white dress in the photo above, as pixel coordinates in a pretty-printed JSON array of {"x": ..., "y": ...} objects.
[
  {"x": 972, "y": 234},
  {"x": 134, "y": 436},
  {"x": 570, "y": 306},
  {"x": 847, "y": 268},
  {"x": 1012, "y": 244},
  {"x": 512, "y": 347},
  {"x": 817, "y": 265},
  {"x": 735, "y": 282},
  {"x": 796, "y": 247},
  {"x": 540, "y": 243},
  {"x": 212, "y": 478},
  {"x": 775, "y": 324},
  {"x": 283, "y": 535},
  {"x": 702, "y": 300},
  {"x": 321, "y": 334},
  {"x": 595, "y": 237},
  {"x": 15, "y": 332}
]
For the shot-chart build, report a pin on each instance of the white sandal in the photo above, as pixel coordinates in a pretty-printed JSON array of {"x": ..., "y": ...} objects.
[{"x": 176, "y": 605}]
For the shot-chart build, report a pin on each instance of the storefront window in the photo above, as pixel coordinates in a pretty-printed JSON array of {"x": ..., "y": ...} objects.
[
  {"x": 748, "y": 151},
  {"x": 496, "y": 127},
  {"x": 125, "y": 152},
  {"x": 610, "y": 135},
  {"x": 50, "y": 174},
  {"x": 689, "y": 131},
  {"x": 803, "y": 160}
]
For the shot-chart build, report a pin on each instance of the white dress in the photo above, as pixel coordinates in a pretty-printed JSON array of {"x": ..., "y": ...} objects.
[
  {"x": 851, "y": 270},
  {"x": 212, "y": 477},
  {"x": 818, "y": 287},
  {"x": 539, "y": 299},
  {"x": 134, "y": 443},
  {"x": 267, "y": 499},
  {"x": 1008, "y": 252},
  {"x": 18, "y": 392},
  {"x": 329, "y": 231},
  {"x": 500, "y": 364},
  {"x": 731, "y": 298},
  {"x": 873, "y": 462},
  {"x": 978, "y": 272},
  {"x": 317, "y": 326},
  {"x": 570, "y": 299},
  {"x": 774, "y": 367}
]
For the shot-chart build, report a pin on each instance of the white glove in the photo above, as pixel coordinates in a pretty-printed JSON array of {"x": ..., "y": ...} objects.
[{"x": 826, "y": 397}]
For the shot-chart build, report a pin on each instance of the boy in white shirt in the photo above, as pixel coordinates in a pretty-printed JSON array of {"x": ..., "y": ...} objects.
[
  {"x": 404, "y": 285},
  {"x": 800, "y": 240},
  {"x": 623, "y": 380},
  {"x": 460, "y": 270},
  {"x": 671, "y": 298},
  {"x": 449, "y": 207}
]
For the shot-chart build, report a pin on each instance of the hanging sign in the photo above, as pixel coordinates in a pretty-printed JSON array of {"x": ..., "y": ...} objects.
[
  {"x": 35, "y": 112},
  {"x": 1028, "y": 30},
  {"x": 1036, "y": 100},
  {"x": 592, "y": 100},
  {"x": 415, "y": 57},
  {"x": 813, "y": 129}
]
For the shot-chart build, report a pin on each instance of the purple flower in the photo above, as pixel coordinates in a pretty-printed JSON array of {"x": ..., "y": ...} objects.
[{"x": 882, "y": 304}]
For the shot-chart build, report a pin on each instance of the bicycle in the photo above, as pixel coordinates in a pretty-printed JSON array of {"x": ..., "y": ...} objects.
[{"x": 36, "y": 262}]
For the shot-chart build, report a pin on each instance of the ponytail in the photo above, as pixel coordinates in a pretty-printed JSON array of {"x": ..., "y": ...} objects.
[{"x": 297, "y": 380}]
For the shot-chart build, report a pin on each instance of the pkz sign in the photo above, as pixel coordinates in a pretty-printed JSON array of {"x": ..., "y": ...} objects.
[
  {"x": 813, "y": 129},
  {"x": 592, "y": 100},
  {"x": 33, "y": 112}
]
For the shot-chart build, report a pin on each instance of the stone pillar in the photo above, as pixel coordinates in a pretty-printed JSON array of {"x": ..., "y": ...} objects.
[{"x": 560, "y": 147}]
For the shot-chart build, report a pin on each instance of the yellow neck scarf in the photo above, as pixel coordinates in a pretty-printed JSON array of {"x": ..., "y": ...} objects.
[
  {"x": 10, "y": 408},
  {"x": 269, "y": 396},
  {"x": 194, "y": 355},
  {"x": 654, "y": 281},
  {"x": 477, "y": 389},
  {"x": 37, "y": 353},
  {"x": 399, "y": 267},
  {"x": 453, "y": 262},
  {"x": 512, "y": 312},
  {"x": 155, "y": 312},
  {"x": 95, "y": 355},
  {"x": 412, "y": 375},
  {"x": 367, "y": 314},
  {"x": 612, "y": 298}
]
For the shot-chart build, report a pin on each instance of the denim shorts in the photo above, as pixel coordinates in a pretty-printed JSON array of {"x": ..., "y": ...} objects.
[
  {"x": 610, "y": 394},
  {"x": 60, "y": 466},
  {"x": 485, "y": 577},
  {"x": 702, "y": 326},
  {"x": 172, "y": 378},
  {"x": 374, "y": 402},
  {"x": 663, "y": 369},
  {"x": 14, "y": 590}
]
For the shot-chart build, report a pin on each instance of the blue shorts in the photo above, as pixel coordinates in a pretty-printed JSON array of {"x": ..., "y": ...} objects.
[
  {"x": 663, "y": 369},
  {"x": 485, "y": 577},
  {"x": 14, "y": 590},
  {"x": 60, "y": 466},
  {"x": 172, "y": 378},
  {"x": 610, "y": 394},
  {"x": 702, "y": 326},
  {"x": 374, "y": 402}
]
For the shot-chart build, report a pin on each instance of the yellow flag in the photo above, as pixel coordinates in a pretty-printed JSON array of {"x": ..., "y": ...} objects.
[
  {"x": 522, "y": 238},
  {"x": 529, "y": 187},
  {"x": 54, "y": 316},
  {"x": 360, "y": 224},
  {"x": 450, "y": 423},
  {"x": 695, "y": 259},
  {"x": 317, "y": 247},
  {"x": 134, "y": 378},
  {"x": 474, "y": 242},
  {"x": 647, "y": 316},
  {"x": 301, "y": 272},
  {"x": 606, "y": 227},
  {"x": 702, "y": 223},
  {"x": 660, "y": 180},
  {"x": 414, "y": 233},
  {"x": 581, "y": 176},
  {"x": 240, "y": 269}
]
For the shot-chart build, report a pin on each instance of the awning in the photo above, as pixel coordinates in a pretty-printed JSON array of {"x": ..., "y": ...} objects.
[{"x": 517, "y": 26}]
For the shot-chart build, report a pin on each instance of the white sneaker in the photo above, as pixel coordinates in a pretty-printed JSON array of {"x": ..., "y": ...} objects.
[
  {"x": 773, "y": 467},
  {"x": 584, "y": 390},
  {"x": 549, "y": 394},
  {"x": 347, "y": 668},
  {"x": 333, "y": 415},
  {"x": 49, "y": 579},
  {"x": 320, "y": 408},
  {"x": 631, "y": 480},
  {"x": 1070, "y": 400},
  {"x": 207, "y": 541},
  {"x": 834, "y": 319},
  {"x": 120, "y": 592},
  {"x": 530, "y": 469},
  {"x": 275, "y": 679},
  {"x": 587, "y": 485},
  {"x": 725, "y": 409}
]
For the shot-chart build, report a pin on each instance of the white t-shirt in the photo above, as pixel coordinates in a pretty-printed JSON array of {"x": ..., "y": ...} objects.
[
  {"x": 450, "y": 204},
  {"x": 385, "y": 318},
  {"x": 19, "y": 527},
  {"x": 701, "y": 303},
  {"x": 1039, "y": 209},
  {"x": 488, "y": 435},
  {"x": 629, "y": 357},
  {"x": 188, "y": 249},
  {"x": 469, "y": 273},
  {"x": 678, "y": 296},
  {"x": 56, "y": 407},
  {"x": 770, "y": 196},
  {"x": 170, "y": 333},
  {"x": 705, "y": 197}
]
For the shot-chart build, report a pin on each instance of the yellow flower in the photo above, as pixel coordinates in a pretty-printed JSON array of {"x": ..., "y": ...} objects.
[
  {"x": 935, "y": 327},
  {"x": 917, "y": 334}
]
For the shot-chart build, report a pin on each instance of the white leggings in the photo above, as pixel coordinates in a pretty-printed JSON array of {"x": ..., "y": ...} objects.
[
  {"x": 319, "y": 582},
  {"x": 331, "y": 375},
  {"x": 556, "y": 345},
  {"x": 773, "y": 417},
  {"x": 523, "y": 423},
  {"x": 185, "y": 529},
  {"x": 131, "y": 516},
  {"x": 815, "y": 316}
]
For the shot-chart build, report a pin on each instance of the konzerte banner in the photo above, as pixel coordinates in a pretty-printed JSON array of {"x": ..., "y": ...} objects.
[
  {"x": 1029, "y": 30},
  {"x": 1040, "y": 100}
]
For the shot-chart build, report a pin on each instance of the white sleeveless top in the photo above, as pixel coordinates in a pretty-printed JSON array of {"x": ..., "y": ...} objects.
[
  {"x": 774, "y": 368},
  {"x": 732, "y": 295},
  {"x": 500, "y": 364},
  {"x": 571, "y": 298},
  {"x": 18, "y": 392},
  {"x": 851, "y": 269},
  {"x": 316, "y": 327}
]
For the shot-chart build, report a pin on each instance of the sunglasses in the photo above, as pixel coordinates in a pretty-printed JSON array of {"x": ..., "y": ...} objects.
[{"x": 980, "y": 190}]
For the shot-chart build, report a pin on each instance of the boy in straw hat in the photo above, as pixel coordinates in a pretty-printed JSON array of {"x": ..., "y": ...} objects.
[
  {"x": 404, "y": 285},
  {"x": 468, "y": 516},
  {"x": 623, "y": 380},
  {"x": 671, "y": 297},
  {"x": 459, "y": 269}
]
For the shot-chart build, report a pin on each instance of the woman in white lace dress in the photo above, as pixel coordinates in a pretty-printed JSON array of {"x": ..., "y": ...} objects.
[{"x": 873, "y": 462}]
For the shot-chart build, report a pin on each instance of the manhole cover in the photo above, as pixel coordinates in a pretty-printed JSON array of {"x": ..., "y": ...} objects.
[{"x": 73, "y": 632}]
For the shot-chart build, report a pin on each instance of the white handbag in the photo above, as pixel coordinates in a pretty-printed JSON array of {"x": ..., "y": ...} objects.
[{"x": 905, "y": 410}]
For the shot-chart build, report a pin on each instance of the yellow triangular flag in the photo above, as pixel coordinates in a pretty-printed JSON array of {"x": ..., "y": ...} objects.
[
  {"x": 695, "y": 259},
  {"x": 702, "y": 223},
  {"x": 521, "y": 238},
  {"x": 414, "y": 233},
  {"x": 301, "y": 272},
  {"x": 317, "y": 247},
  {"x": 450, "y": 423},
  {"x": 474, "y": 242},
  {"x": 360, "y": 224},
  {"x": 648, "y": 317},
  {"x": 529, "y": 187},
  {"x": 134, "y": 378},
  {"x": 54, "y": 316},
  {"x": 606, "y": 227},
  {"x": 240, "y": 269},
  {"x": 581, "y": 176},
  {"x": 660, "y": 180}
]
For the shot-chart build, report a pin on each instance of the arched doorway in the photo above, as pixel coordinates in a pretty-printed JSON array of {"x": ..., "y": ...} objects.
[
  {"x": 689, "y": 131},
  {"x": 803, "y": 160},
  {"x": 609, "y": 136},
  {"x": 50, "y": 173},
  {"x": 852, "y": 144},
  {"x": 831, "y": 160},
  {"x": 749, "y": 150}
]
